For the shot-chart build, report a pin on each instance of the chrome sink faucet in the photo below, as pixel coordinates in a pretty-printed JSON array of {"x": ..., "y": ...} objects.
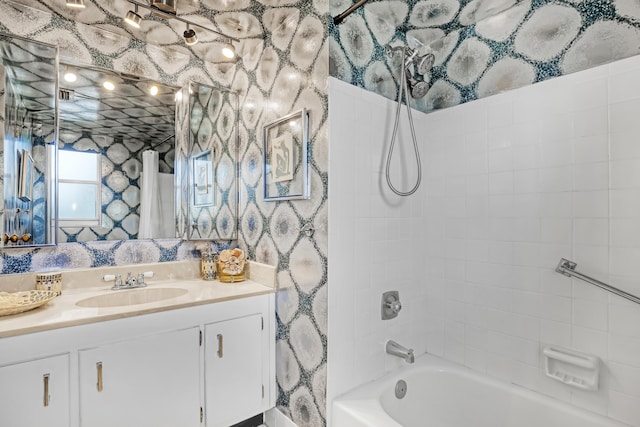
[
  {"x": 131, "y": 282},
  {"x": 395, "y": 349}
]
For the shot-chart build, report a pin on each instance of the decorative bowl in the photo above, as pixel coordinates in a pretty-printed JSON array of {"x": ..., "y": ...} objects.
[{"x": 18, "y": 302}]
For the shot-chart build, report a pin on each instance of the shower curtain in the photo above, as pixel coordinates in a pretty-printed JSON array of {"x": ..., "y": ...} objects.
[{"x": 156, "y": 200}]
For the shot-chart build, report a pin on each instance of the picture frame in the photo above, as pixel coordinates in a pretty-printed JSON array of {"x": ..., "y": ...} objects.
[
  {"x": 203, "y": 179},
  {"x": 285, "y": 171}
]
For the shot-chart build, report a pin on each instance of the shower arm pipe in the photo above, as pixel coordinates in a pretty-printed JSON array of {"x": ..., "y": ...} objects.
[
  {"x": 568, "y": 268},
  {"x": 166, "y": 15},
  {"x": 337, "y": 20}
]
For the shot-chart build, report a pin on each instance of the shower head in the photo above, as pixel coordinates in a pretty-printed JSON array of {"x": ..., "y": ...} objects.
[
  {"x": 425, "y": 63},
  {"x": 419, "y": 89}
]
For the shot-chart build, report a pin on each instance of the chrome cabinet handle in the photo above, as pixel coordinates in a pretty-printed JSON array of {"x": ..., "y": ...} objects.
[
  {"x": 45, "y": 379},
  {"x": 99, "y": 368},
  {"x": 220, "y": 346}
]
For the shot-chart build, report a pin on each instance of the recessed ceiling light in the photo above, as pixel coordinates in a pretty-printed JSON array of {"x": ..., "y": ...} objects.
[
  {"x": 132, "y": 18},
  {"x": 190, "y": 37},
  {"x": 76, "y": 4},
  {"x": 153, "y": 90},
  {"x": 108, "y": 85},
  {"x": 229, "y": 51},
  {"x": 70, "y": 76}
]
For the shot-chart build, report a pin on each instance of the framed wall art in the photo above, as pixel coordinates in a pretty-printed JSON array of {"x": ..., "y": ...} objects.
[
  {"x": 286, "y": 161},
  {"x": 203, "y": 178}
]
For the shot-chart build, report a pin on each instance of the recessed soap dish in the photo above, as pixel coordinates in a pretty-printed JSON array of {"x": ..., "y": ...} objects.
[{"x": 572, "y": 367}]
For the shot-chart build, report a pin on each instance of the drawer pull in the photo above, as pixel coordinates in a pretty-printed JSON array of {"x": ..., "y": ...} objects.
[
  {"x": 99, "y": 368},
  {"x": 220, "y": 346},
  {"x": 45, "y": 379}
]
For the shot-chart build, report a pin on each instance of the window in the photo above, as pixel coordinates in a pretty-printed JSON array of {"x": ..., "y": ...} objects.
[{"x": 79, "y": 189}]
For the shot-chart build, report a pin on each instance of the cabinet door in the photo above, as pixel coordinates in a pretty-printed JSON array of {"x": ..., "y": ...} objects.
[
  {"x": 35, "y": 393},
  {"x": 151, "y": 381},
  {"x": 233, "y": 370}
]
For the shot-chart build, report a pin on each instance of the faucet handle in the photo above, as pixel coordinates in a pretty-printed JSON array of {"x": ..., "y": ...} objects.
[
  {"x": 111, "y": 278},
  {"x": 141, "y": 280}
]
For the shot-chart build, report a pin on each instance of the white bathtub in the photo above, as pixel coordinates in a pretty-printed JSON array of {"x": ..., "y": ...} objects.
[{"x": 442, "y": 394}]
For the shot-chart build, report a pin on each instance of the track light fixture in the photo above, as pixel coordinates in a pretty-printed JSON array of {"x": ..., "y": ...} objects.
[
  {"x": 168, "y": 6},
  {"x": 229, "y": 51},
  {"x": 132, "y": 18},
  {"x": 76, "y": 4},
  {"x": 165, "y": 9},
  {"x": 190, "y": 37}
]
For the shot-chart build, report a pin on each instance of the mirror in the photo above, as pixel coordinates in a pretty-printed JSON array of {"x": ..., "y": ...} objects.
[
  {"x": 116, "y": 156},
  {"x": 28, "y": 139},
  {"x": 208, "y": 164}
]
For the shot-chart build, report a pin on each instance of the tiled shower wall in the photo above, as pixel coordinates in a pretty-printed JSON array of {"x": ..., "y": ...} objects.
[
  {"x": 512, "y": 183},
  {"x": 481, "y": 47}
]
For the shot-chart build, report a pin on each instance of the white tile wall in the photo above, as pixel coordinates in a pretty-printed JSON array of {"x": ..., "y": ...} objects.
[{"x": 543, "y": 172}]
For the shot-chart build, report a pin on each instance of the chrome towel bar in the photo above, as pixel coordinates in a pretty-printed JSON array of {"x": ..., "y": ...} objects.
[{"x": 568, "y": 268}]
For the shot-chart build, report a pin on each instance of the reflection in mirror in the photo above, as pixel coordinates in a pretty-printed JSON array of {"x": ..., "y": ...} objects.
[
  {"x": 116, "y": 156},
  {"x": 28, "y": 141},
  {"x": 210, "y": 185}
]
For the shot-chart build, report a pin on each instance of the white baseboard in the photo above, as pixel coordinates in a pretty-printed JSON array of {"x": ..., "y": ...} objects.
[{"x": 275, "y": 418}]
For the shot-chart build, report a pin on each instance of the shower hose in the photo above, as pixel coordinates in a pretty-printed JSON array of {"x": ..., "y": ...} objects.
[{"x": 403, "y": 88}]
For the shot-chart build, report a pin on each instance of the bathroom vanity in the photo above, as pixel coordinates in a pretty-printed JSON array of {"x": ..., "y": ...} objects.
[{"x": 203, "y": 355}]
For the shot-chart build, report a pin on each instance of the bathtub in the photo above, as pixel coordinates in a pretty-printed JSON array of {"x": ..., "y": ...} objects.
[{"x": 442, "y": 394}]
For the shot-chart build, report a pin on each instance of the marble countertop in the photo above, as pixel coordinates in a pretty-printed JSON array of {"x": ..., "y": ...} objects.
[{"x": 63, "y": 311}]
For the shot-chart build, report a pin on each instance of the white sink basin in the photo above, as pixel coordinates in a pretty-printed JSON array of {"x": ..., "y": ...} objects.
[{"x": 131, "y": 297}]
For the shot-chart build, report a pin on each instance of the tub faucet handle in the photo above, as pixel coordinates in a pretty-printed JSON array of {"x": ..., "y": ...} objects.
[
  {"x": 394, "y": 306},
  {"x": 391, "y": 305}
]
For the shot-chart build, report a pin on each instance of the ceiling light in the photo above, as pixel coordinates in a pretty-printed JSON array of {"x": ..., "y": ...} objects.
[
  {"x": 132, "y": 18},
  {"x": 76, "y": 4},
  {"x": 108, "y": 85},
  {"x": 178, "y": 96},
  {"x": 153, "y": 90},
  {"x": 70, "y": 76},
  {"x": 165, "y": 5},
  {"x": 190, "y": 37},
  {"x": 228, "y": 50}
]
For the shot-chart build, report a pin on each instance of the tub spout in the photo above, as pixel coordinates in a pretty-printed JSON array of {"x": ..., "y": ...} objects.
[{"x": 396, "y": 349}]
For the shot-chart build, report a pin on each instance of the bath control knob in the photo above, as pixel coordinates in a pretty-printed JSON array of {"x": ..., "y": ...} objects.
[
  {"x": 391, "y": 305},
  {"x": 394, "y": 306}
]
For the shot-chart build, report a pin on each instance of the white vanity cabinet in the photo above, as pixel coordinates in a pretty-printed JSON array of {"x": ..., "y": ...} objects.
[
  {"x": 150, "y": 381},
  {"x": 206, "y": 365},
  {"x": 35, "y": 393},
  {"x": 234, "y": 382}
]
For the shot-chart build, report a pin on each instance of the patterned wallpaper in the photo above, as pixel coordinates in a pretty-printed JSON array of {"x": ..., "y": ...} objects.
[
  {"x": 283, "y": 67},
  {"x": 482, "y": 47},
  {"x": 290, "y": 74}
]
